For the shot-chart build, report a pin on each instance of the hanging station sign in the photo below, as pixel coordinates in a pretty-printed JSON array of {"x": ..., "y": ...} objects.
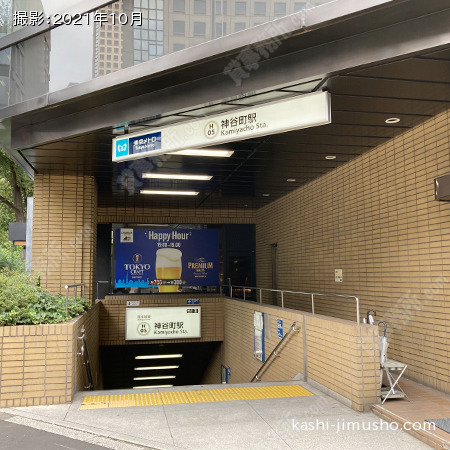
[
  {"x": 178, "y": 322},
  {"x": 303, "y": 111}
]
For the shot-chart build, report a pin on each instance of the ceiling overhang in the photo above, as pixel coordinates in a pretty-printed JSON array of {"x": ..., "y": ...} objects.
[{"x": 373, "y": 62}]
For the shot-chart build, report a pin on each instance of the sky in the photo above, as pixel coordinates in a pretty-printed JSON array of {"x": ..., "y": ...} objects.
[{"x": 71, "y": 54}]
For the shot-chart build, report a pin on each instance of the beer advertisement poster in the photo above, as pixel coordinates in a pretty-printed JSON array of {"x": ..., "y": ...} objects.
[{"x": 166, "y": 258}]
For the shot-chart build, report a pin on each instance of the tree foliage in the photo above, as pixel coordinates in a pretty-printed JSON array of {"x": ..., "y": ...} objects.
[{"x": 15, "y": 187}]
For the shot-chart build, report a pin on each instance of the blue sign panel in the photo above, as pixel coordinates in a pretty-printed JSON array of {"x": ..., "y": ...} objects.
[
  {"x": 280, "y": 328},
  {"x": 138, "y": 144},
  {"x": 145, "y": 143},
  {"x": 258, "y": 322},
  {"x": 193, "y": 301},
  {"x": 167, "y": 258}
]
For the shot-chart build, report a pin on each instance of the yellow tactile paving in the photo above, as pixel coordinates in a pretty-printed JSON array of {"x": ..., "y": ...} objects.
[{"x": 200, "y": 396}]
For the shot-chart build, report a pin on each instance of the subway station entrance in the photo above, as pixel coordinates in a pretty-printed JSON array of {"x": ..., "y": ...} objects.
[{"x": 342, "y": 206}]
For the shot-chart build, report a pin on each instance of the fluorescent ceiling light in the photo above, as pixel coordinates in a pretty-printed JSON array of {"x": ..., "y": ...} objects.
[
  {"x": 155, "y": 192},
  {"x": 162, "y": 377},
  {"x": 156, "y": 367},
  {"x": 168, "y": 176},
  {"x": 174, "y": 355},
  {"x": 153, "y": 387},
  {"x": 205, "y": 152}
]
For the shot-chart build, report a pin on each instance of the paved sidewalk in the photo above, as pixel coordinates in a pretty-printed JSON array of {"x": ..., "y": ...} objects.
[{"x": 317, "y": 421}]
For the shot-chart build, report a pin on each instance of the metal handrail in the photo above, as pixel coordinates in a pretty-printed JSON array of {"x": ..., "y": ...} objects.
[
  {"x": 68, "y": 286},
  {"x": 87, "y": 362},
  {"x": 274, "y": 351},
  {"x": 284, "y": 291}
]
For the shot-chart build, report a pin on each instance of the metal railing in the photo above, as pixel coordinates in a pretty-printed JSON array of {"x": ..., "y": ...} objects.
[
  {"x": 275, "y": 351},
  {"x": 75, "y": 286},
  {"x": 283, "y": 291},
  {"x": 86, "y": 361}
]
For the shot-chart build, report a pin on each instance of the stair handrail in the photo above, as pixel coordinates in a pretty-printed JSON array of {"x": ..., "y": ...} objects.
[
  {"x": 292, "y": 328},
  {"x": 86, "y": 361}
]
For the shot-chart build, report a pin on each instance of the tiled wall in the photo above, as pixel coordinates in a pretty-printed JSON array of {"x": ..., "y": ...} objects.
[
  {"x": 376, "y": 218},
  {"x": 112, "y": 317},
  {"x": 64, "y": 231},
  {"x": 338, "y": 354},
  {"x": 213, "y": 373},
  {"x": 39, "y": 364},
  {"x": 111, "y": 214}
]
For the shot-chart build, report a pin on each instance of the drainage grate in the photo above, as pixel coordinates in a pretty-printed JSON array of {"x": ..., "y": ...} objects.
[{"x": 443, "y": 424}]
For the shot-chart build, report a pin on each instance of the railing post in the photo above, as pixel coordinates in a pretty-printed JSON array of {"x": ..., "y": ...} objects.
[
  {"x": 260, "y": 296},
  {"x": 244, "y": 291},
  {"x": 67, "y": 297},
  {"x": 312, "y": 303},
  {"x": 282, "y": 300},
  {"x": 231, "y": 291},
  {"x": 357, "y": 310}
]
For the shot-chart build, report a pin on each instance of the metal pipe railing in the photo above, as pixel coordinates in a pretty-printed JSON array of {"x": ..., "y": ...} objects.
[
  {"x": 68, "y": 286},
  {"x": 284, "y": 291},
  {"x": 274, "y": 351},
  {"x": 86, "y": 360}
]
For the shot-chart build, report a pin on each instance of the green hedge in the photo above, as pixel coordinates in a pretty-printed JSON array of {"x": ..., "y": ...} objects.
[{"x": 24, "y": 302}]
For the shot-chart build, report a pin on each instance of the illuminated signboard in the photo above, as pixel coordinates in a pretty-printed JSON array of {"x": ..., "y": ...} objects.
[
  {"x": 167, "y": 258},
  {"x": 303, "y": 111}
]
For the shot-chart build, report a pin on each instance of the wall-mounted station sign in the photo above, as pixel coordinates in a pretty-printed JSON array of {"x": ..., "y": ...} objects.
[
  {"x": 177, "y": 322},
  {"x": 303, "y": 111}
]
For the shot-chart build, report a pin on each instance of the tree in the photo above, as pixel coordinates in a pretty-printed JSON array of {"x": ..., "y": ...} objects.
[
  {"x": 6, "y": 15},
  {"x": 15, "y": 187}
]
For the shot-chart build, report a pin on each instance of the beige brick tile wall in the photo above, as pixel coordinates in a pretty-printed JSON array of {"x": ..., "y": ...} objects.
[
  {"x": 39, "y": 364},
  {"x": 64, "y": 231},
  {"x": 376, "y": 218},
  {"x": 113, "y": 308},
  {"x": 213, "y": 373},
  {"x": 113, "y": 214}
]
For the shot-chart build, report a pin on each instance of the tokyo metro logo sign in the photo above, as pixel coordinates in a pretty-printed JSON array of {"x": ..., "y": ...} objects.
[{"x": 121, "y": 148}]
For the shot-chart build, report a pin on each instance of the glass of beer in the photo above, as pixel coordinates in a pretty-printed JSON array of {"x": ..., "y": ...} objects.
[{"x": 168, "y": 267}]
